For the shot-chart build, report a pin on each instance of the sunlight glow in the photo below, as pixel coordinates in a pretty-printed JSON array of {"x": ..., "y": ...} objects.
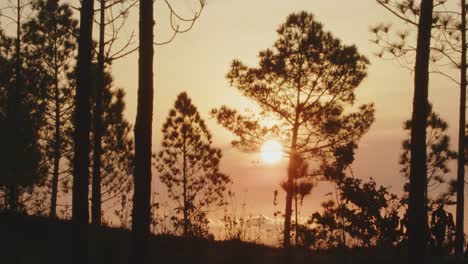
[{"x": 271, "y": 151}]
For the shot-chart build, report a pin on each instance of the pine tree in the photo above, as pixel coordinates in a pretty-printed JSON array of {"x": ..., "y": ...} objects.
[
  {"x": 143, "y": 138},
  {"x": 107, "y": 52},
  {"x": 22, "y": 115},
  {"x": 82, "y": 124},
  {"x": 303, "y": 185},
  {"x": 189, "y": 167},
  {"x": 117, "y": 146},
  {"x": 417, "y": 213},
  {"x": 448, "y": 47},
  {"x": 50, "y": 36},
  {"x": 305, "y": 82},
  {"x": 439, "y": 155},
  {"x": 143, "y": 125}
]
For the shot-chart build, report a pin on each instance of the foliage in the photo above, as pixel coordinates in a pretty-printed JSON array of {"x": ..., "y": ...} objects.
[
  {"x": 20, "y": 158},
  {"x": 117, "y": 149},
  {"x": 441, "y": 49},
  {"x": 50, "y": 38},
  {"x": 189, "y": 167},
  {"x": 399, "y": 42},
  {"x": 438, "y": 157},
  {"x": 364, "y": 215},
  {"x": 310, "y": 65},
  {"x": 442, "y": 230},
  {"x": 304, "y": 83},
  {"x": 304, "y": 182}
]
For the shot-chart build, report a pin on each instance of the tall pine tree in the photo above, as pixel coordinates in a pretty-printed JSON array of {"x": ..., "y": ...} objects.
[
  {"x": 50, "y": 36},
  {"x": 417, "y": 213},
  {"x": 189, "y": 167},
  {"x": 305, "y": 81}
]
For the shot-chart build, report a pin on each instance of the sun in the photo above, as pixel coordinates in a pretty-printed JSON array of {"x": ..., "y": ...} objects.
[{"x": 271, "y": 151}]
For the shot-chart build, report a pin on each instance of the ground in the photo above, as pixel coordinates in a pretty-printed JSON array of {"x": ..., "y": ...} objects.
[{"x": 34, "y": 240}]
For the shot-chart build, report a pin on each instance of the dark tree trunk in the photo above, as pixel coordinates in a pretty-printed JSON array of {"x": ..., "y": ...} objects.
[
  {"x": 186, "y": 222},
  {"x": 459, "y": 232},
  {"x": 80, "y": 214},
  {"x": 57, "y": 154},
  {"x": 417, "y": 228},
  {"x": 14, "y": 101},
  {"x": 295, "y": 213},
  {"x": 98, "y": 124},
  {"x": 143, "y": 135},
  {"x": 292, "y": 170}
]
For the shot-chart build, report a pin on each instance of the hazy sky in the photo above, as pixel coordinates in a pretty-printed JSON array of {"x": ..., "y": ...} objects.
[{"x": 198, "y": 61}]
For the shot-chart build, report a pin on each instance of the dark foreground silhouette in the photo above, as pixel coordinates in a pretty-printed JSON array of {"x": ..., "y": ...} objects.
[{"x": 31, "y": 239}]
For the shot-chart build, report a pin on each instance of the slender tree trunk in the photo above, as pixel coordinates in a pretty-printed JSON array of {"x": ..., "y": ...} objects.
[
  {"x": 295, "y": 211},
  {"x": 186, "y": 223},
  {"x": 98, "y": 123},
  {"x": 417, "y": 228},
  {"x": 55, "y": 175},
  {"x": 292, "y": 170},
  {"x": 80, "y": 213},
  {"x": 14, "y": 101},
  {"x": 459, "y": 232},
  {"x": 143, "y": 135}
]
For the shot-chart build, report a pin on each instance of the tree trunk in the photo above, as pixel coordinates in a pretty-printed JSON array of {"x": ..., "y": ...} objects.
[
  {"x": 186, "y": 223},
  {"x": 295, "y": 212},
  {"x": 459, "y": 232},
  {"x": 55, "y": 175},
  {"x": 80, "y": 214},
  {"x": 417, "y": 226},
  {"x": 143, "y": 135},
  {"x": 98, "y": 124},
  {"x": 14, "y": 100},
  {"x": 292, "y": 170}
]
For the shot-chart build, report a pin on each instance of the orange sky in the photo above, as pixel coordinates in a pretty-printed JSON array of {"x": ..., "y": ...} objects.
[{"x": 197, "y": 62}]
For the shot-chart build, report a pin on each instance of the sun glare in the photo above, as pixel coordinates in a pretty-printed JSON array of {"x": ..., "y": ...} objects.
[{"x": 272, "y": 152}]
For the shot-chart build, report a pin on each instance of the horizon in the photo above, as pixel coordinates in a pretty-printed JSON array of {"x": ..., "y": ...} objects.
[{"x": 388, "y": 85}]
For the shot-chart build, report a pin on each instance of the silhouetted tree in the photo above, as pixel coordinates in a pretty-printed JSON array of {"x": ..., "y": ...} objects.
[
  {"x": 143, "y": 126},
  {"x": 305, "y": 82},
  {"x": 303, "y": 184},
  {"x": 82, "y": 124},
  {"x": 143, "y": 135},
  {"x": 417, "y": 213},
  {"x": 439, "y": 154},
  {"x": 50, "y": 36},
  {"x": 460, "y": 219},
  {"x": 442, "y": 230},
  {"x": 21, "y": 155},
  {"x": 448, "y": 48},
  {"x": 364, "y": 213},
  {"x": 117, "y": 154},
  {"x": 361, "y": 211},
  {"x": 97, "y": 122},
  {"x": 189, "y": 167},
  {"x": 105, "y": 55},
  {"x": 4, "y": 86}
]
